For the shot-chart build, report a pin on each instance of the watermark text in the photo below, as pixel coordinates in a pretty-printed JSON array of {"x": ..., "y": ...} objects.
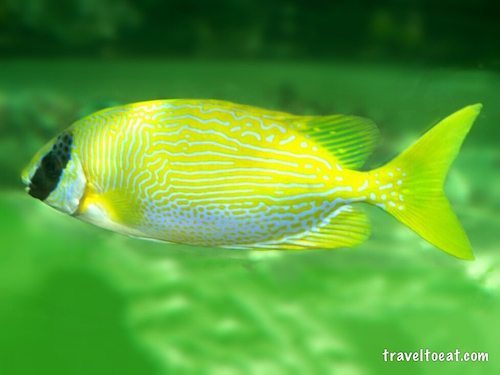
[{"x": 426, "y": 355}]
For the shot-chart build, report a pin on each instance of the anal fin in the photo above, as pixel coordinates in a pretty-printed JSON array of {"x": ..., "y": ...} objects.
[{"x": 346, "y": 227}]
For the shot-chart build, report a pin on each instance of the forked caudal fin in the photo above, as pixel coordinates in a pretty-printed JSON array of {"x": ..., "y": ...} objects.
[{"x": 420, "y": 173}]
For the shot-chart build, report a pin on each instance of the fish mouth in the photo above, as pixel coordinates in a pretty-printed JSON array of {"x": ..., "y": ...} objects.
[
  {"x": 26, "y": 179},
  {"x": 35, "y": 191}
]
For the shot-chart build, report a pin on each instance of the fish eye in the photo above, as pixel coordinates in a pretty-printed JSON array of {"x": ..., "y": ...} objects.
[{"x": 49, "y": 172}]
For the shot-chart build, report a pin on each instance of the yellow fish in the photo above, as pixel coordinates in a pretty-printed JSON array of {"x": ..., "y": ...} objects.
[{"x": 214, "y": 173}]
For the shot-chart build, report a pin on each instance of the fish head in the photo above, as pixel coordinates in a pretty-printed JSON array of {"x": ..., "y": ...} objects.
[{"x": 55, "y": 175}]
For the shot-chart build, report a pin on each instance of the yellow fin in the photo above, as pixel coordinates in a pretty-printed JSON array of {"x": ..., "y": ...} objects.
[
  {"x": 118, "y": 205},
  {"x": 126, "y": 208},
  {"x": 346, "y": 227},
  {"x": 425, "y": 209},
  {"x": 350, "y": 138}
]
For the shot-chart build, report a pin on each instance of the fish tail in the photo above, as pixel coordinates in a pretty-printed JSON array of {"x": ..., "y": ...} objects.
[{"x": 418, "y": 176}]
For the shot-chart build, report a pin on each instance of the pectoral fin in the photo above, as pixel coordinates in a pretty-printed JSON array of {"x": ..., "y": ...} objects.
[{"x": 114, "y": 210}]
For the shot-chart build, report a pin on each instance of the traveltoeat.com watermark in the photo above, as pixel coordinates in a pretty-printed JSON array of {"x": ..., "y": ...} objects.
[{"x": 426, "y": 355}]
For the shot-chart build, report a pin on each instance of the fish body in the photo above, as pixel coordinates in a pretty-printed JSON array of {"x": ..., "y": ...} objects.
[{"x": 214, "y": 173}]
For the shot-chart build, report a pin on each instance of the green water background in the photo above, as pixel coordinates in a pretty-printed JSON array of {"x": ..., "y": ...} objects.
[{"x": 75, "y": 299}]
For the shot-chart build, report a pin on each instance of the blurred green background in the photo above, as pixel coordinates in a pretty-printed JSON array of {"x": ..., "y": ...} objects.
[{"x": 75, "y": 299}]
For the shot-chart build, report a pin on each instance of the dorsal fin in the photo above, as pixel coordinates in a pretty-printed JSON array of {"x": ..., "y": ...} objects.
[
  {"x": 350, "y": 139},
  {"x": 346, "y": 227}
]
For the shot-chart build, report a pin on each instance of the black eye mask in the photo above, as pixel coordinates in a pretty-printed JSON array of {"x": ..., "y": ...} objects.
[{"x": 49, "y": 172}]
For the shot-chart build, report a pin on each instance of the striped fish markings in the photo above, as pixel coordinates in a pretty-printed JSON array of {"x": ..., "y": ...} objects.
[{"x": 214, "y": 173}]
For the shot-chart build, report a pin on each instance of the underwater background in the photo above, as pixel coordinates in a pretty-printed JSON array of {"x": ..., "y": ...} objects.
[{"x": 75, "y": 299}]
